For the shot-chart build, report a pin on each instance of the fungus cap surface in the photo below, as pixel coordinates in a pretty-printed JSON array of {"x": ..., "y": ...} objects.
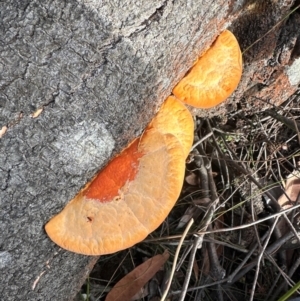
[
  {"x": 144, "y": 182},
  {"x": 175, "y": 119},
  {"x": 214, "y": 76}
]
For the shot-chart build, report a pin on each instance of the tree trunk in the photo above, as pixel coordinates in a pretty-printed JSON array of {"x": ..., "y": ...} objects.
[{"x": 99, "y": 70}]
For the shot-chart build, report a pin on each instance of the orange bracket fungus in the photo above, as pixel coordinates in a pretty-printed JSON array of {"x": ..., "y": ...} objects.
[
  {"x": 214, "y": 76},
  {"x": 134, "y": 193}
]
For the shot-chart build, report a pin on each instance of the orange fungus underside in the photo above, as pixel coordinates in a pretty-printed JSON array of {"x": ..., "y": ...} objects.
[
  {"x": 148, "y": 175},
  {"x": 121, "y": 170},
  {"x": 134, "y": 193}
]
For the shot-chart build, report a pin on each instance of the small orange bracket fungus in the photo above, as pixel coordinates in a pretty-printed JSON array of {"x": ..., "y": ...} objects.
[
  {"x": 214, "y": 76},
  {"x": 134, "y": 193}
]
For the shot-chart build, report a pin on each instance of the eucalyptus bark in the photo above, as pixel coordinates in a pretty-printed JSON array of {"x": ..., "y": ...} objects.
[{"x": 99, "y": 70}]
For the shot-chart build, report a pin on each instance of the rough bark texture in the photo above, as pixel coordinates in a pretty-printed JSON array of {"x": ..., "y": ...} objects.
[{"x": 99, "y": 70}]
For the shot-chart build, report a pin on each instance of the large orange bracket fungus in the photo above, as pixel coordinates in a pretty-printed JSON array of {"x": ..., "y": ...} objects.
[
  {"x": 214, "y": 76},
  {"x": 134, "y": 193}
]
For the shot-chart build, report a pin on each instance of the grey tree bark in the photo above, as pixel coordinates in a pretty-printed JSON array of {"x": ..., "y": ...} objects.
[{"x": 99, "y": 70}]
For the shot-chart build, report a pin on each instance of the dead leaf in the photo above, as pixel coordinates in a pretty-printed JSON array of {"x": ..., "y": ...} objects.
[
  {"x": 190, "y": 212},
  {"x": 141, "y": 294},
  {"x": 193, "y": 211},
  {"x": 3, "y": 131},
  {"x": 132, "y": 283},
  {"x": 36, "y": 113},
  {"x": 292, "y": 189},
  {"x": 192, "y": 179}
]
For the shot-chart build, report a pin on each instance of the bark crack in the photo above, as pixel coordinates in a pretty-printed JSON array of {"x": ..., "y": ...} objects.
[{"x": 154, "y": 17}]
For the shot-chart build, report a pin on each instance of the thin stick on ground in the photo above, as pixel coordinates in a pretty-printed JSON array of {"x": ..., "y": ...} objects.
[
  {"x": 189, "y": 225},
  {"x": 260, "y": 258}
]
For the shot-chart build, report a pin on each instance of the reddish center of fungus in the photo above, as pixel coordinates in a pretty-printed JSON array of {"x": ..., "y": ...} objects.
[{"x": 115, "y": 175}]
